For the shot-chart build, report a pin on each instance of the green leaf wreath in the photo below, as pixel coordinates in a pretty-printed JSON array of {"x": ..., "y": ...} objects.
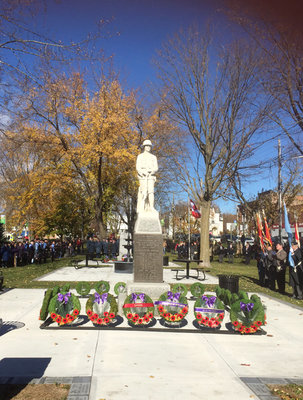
[
  {"x": 101, "y": 308},
  {"x": 102, "y": 287},
  {"x": 64, "y": 308},
  {"x": 120, "y": 287},
  {"x": 248, "y": 315},
  {"x": 138, "y": 309},
  {"x": 209, "y": 311},
  {"x": 172, "y": 307}
]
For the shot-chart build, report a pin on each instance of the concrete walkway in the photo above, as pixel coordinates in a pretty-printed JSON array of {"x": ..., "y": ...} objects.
[{"x": 148, "y": 365}]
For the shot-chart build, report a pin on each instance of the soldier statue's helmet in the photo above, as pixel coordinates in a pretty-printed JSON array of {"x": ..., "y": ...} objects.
[{"x": 147, "y": 143}]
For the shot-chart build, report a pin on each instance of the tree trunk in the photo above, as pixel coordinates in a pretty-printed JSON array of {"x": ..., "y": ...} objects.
[{"x": 204, "y": 234}]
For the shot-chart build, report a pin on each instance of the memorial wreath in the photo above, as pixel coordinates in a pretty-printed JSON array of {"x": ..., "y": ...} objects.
[
  {"x": 172, "y": 307},
  {"x": 138, "y": 309},
  {"x": 248, "y": 315},
  {"x": 209, "y": 311},
  {"x": 64, "y": 308},
  {"x": 101, "y": 309}
]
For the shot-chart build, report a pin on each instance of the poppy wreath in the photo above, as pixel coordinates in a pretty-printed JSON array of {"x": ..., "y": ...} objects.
[
  {"x": 101, "y": 309},
  {"x": 248, "y": 315},
  {"x": 138, "y": 309},
  {"x": 120, "y": 287},
  {"x": 172, "y": 307},
  {"x": 209, "y": 311},
  {"x": 64, "y": 308}
]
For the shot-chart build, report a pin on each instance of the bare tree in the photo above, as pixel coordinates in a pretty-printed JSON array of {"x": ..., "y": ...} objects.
[{"x": 215, "y": 97}]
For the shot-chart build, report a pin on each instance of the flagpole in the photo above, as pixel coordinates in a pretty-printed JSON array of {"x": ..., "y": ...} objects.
[{"x": 188, "y": 229}]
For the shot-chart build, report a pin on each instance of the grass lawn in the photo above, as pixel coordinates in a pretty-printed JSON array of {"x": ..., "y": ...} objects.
[
  {"x": 23, "y": 277},
  {"x": 248, "y": 278}
]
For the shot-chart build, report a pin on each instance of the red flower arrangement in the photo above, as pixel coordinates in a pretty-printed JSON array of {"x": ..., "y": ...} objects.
[
  {"x": 172, "y": 307},
  {"x": 95, "y": 306},
  {"x": 64, "y": 320},
  {"x": 138, "y": 309},
  {"x": 209, "y": 311}
]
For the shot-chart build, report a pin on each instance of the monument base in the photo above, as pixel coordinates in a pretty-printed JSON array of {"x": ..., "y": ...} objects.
[
  {"x": 148, "y": 257},
  {"x": 153, "y": 290}
]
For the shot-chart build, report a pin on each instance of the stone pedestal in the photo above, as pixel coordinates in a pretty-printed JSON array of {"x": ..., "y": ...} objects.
[
  {"x": 148, "y": 248},
  {"x": 153, "y": 290}
]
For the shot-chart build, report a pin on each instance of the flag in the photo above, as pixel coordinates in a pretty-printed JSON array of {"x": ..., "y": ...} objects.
[
  {"x": 297, "y": 234},
  {"x": 194, "y": 210},
  {"x": 267, "y": 233},
  {"x": 289, "y": 234},
  {"x": 260, "y": 233}
]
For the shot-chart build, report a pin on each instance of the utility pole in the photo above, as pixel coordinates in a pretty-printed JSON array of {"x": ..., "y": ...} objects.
[{"x": 280, "y": 189}]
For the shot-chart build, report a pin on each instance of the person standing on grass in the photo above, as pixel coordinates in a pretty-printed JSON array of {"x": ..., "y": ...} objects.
[
  {"x": 230, "y": 252},
  {"x": 221, "y": 252},
  {"x": 280, "y": 259},
  {"x": 247, "y": 253},
  {"x": 296, "y": 273}
]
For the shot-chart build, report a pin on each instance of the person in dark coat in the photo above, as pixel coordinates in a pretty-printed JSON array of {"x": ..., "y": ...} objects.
[
  {"x": 247, "y": 253},
  {"x": 5, "y": 255},
  {"x": 280, "y": 258},
  {"x": 270, "y": 268},
  {"x": 230, "y": 252},
  {"x": 296, "y": 272},
  {"x": 221, "y": 252},
  {"x": 90, "y": 248}
]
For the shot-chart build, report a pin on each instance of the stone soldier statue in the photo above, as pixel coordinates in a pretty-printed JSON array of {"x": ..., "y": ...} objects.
[{"x": 146, "y": 167}]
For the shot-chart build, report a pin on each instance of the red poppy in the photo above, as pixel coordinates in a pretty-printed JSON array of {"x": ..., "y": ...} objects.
[
  {"x": 64, "y": 320},
  {"x": 212, "y": 319},
  {"x": 161, "y": 308},
  {"x": 217, "y": 323},
  {"x": 150, "y": 315},
  {"x": 112, "y": 315},
  {"x": 221, "y": 316},
  {"x": 98, "y": 321},
  {"x": 89, "y": 313},
  {"x": 168, "y": 315},
  {"x": 146, "y": 319},
  {"x": 199, "y": 316},
  {"x": 210, "y": 324},
  {"x": 172, "y": 318},
  {"x": 53, "y": 315},
  {"x": 235, "y": 323},
  {"x": 247, "y": 330},
  {"x": 184, "y": 310},
  {"x": 96, "y": 315},
  {"x": 180, "y": 316},
  {"x": 67, "y": 316},
  {"x": 106, "y": 320},
  {"x": 206, "y": 319},
  {"x": 136, "y": 317},
  {"x": 59, "y": 318},
  {"x": 76, "y": 312},
  {"x": 140, "y": 320},
  {"x": 105, "y": 314},
  {"x": 129, "y": 316},
  {"x": 241, "y": 328},
  {"x": 71, "y": 318},
  {"x": 258, "y": 323}
]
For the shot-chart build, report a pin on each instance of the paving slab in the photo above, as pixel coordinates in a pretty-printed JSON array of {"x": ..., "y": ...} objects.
[
  {"x": 150, "y": 365},
  {"x": 107, "y": 273}
]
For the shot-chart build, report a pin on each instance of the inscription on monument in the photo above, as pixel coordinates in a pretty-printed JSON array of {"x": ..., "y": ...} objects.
[{"x": 148, "y": 260}]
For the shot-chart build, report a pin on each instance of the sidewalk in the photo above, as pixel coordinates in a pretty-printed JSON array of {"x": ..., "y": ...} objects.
[{"x": 132, "y": 365}]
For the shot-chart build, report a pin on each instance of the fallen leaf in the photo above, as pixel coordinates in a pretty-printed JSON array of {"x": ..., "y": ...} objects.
[
  {"x": 270, "y": 335},
  {"x": 88, "y": 356},
  {"x": 75, "y": 338},
  {"x": 246, "y": 365},
  {"x": 151, "y": 376},
  {"x": 56, "y": 344}
]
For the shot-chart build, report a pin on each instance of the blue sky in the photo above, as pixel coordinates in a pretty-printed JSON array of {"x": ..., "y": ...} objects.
[{"x": 137, "y": 28}]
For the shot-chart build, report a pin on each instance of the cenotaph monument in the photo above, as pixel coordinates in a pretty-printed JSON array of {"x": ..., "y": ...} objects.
[{"x": 148, "y": 239}]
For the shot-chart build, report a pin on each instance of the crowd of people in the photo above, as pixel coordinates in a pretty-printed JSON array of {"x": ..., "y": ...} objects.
[
  {"x": 20, "y": 253},
  {"x": 272, "y": 265},
  {"x": 38, "y": 251}
]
